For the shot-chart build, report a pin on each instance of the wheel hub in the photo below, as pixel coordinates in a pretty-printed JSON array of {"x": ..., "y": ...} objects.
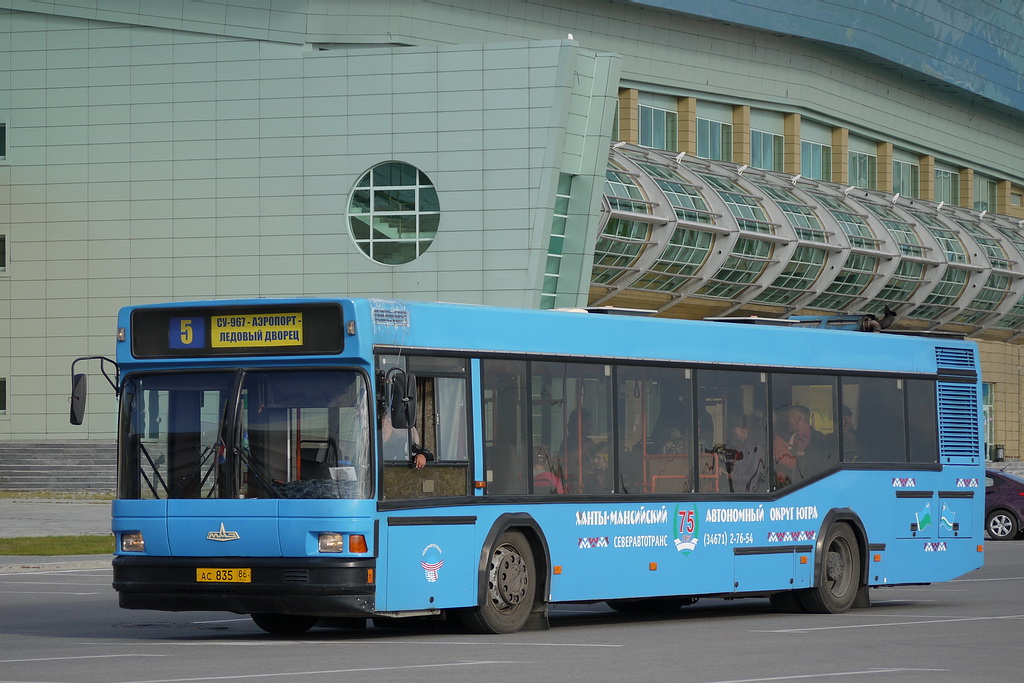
[{"x": 509, "y": 579}]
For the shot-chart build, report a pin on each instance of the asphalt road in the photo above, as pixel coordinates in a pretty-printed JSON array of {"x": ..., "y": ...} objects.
[{"x": 65, "y": 626}]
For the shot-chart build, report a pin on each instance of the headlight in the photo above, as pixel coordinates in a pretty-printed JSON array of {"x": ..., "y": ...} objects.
[
  {"x": 133, "y": 542},
  {"x": 331, "y": 542}
]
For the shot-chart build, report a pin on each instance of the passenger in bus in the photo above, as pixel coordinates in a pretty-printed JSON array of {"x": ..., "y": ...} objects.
[
  {"x": 802, "y": 437},
  {"x": 596, "y": 477},
  {"x": 749, "y": 469},
  {"x": 577, "y": 441},
  {"x": 402, "y": 444},
  {"x": 851, "y": 441},
  {"x": 787, "y": 468},
  {"x": 668, "y": 436},
  {"x": 544, "y": 478}
]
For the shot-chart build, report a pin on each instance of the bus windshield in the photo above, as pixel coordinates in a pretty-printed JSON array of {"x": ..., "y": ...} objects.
[{"x": 245, "y": 434}]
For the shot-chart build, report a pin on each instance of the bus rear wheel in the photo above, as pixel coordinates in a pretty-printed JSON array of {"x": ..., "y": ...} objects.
[
  {"x": 284, "y": 624},
  {"x": 511, "y": 588},
  {"x": 836, "y": 586}
]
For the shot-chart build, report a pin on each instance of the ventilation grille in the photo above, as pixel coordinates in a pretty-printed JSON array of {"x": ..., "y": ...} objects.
[
  {"x": 296, "y": 576},
  {"x": 957, "y": 359},
  {"x": 959, "y": 431}
]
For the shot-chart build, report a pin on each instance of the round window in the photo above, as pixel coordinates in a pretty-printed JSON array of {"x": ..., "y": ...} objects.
[{"x": 393, "y": 213}]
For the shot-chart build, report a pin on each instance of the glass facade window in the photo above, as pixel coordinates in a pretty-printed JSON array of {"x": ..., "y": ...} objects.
[
  {"x": 991, "y": 296},
  {"x": 901, "y": 231},
  {"x": 947, "y": 186},
  {"x": 1014, "y": 318},
  {"x": 714, "y": 140},
  {"x": 687, "y": 202},
  {"x": 997, "y": 256},
  {"x": 658, "y": 128},
  {"x": 803, "y": 219},
  {"x": 945, "y": 294},
  {"x": 3, "y": 140},
  {"x": 686, "y": 252},
  {"x": 853, "y": 224},
  {"x": 766, "y": 150},
  {"x": 556, "y": 242},
  {"x": 623, "y": 194},
  {"x": 3, "y": 253},
  {"x": 857, "y": 273},
  {"x": 903, "y": 284},
  {"x": 906, "y": 179},
  {"x": 618, "y": 247},
  {"x": 394, "y": 213},
  {"x": 796, "y": 279},
  {"x": 949, "y": 241},
  {"x": 984, "y": 194},
  {"x": 3, "y": 395},
  {"x": 815, "y": 160},
  {"x": 863, "y": 170},
  {"x": 744, "y": 206},
  {"x": 744, "y": 265}
]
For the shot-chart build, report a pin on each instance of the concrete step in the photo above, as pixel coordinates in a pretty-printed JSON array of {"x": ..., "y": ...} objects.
[{"x": 58, "y": 466}]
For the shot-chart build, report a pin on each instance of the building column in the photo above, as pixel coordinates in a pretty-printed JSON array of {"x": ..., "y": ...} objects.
[
  {"x": 883, "y": 174},
  {"x": 1003, "y": 197},
  {"x": 926, "y": 176},
  {"x": 791, "y": 143},
  {"x": 629, "y": 115},
  {"x": 741, "y": 134},
  {"x": 967, "y": 187},
  {"x": 841, "y": 156},
  {"x": 686, "y": 108}
]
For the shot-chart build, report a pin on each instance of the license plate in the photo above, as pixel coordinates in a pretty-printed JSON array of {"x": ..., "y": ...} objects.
[{"x": 224, "y": 575}]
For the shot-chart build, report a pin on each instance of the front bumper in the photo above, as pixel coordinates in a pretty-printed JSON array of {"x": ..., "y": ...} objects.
[{"x": 334, "y": 587}]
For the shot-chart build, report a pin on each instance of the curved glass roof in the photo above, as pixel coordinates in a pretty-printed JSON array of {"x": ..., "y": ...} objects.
[{"x": 689, "y": 237}]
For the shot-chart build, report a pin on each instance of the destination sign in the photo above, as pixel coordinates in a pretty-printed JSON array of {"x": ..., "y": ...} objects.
[
  {"x": 260, "y": 329},
  {"x": 237, "y": 330}
]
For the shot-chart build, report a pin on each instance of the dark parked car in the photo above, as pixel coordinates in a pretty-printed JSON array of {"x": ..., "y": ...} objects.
[{"x": 1004, "y": 505}]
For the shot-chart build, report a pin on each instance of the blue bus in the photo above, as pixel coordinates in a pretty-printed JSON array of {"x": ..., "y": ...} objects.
[{"x": 297, "y": 459}]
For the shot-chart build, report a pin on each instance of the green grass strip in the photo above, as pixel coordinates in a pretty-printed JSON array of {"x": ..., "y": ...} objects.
[{"x": 57, "y": 545}]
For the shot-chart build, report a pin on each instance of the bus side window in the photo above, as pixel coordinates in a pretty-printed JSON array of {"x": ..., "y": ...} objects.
[
  {"x": 507, "y": 465},
  {"x": 806, "y": 426},
  {"x": 877, "y": 420},
  {"x": 655, "y": 430},
  {"x": 732, "y": 434},
  {"x": 439, "y": 431}
]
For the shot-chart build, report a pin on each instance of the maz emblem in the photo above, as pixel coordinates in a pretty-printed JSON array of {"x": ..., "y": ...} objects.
[{"x": 222, "y": 535}]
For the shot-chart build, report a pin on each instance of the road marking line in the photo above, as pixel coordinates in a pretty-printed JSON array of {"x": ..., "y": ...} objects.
[
  {"x": 318, "y": 673},
  {"x": 60, "y": 659},
  {"x": 796, "y": 677},
  {"x": 46, "y": 593},
  {"x": 895, "y": 623}
]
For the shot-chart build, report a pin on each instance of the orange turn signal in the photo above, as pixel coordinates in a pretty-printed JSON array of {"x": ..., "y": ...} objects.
[{"x": 357, "y": 543}]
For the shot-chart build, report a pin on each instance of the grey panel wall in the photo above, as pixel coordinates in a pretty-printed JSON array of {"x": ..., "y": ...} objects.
[{"x": 152, "y": 164}]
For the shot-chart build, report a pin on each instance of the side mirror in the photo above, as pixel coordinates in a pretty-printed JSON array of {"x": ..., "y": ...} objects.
[
  {"x": 403, "y": 400},
  {"x": 79, "y": 391}
]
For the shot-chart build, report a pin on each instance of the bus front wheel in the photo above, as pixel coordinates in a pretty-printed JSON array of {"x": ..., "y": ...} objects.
[
  {"x": 511, "y": 588},
  {"x": 839, "y": 579},
  {"x": 284, "y": 624}
]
